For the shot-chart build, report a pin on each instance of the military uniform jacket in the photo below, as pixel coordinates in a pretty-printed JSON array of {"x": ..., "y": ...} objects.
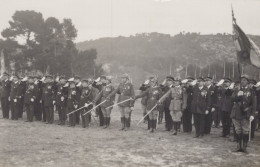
[
  {"x": 167, "y": 101},
  {"x": 200, "y": 100},
  {"x": 21, "y": 90},
  {"x": 153, "y": 94},
  {"x": 6, "y": 88},
  {"x": 176, "y": 96},
  {"x": 39, "y": 89},
  {"x": 143, "y": 88},
  {"x": 62, "y": 92},
  {"x": 30, "y": 93},
  {"x": 72, "y": 98},
  {"x": 14, "y": 88},
  {"x": 189, "y": 92},
  {"x": 104, "y": 93},
  {"x": 245, "y": 105},
  {"x": 48, "y": 94},
  {"x": 212, "y": 92},
  {"x": 88, "y": 95},
  {"x": 125, "y": 91},
  {"x": 226, "y": 100}
]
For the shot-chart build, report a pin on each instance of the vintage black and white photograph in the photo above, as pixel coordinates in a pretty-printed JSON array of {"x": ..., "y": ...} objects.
[{"x": 129, "y": 83}]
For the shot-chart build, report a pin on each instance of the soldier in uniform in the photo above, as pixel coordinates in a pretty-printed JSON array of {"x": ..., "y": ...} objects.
[
  {"x": 143, "y": 88},
  {"x": 20, "y": 96},
  {"x": 177, "y": 104},
  {"x": 38, "y": 101},
  {"x": 199, "y": 107},
  {"x": 187, "y": 115},
  {"x": 48, "y": 95},
  {"x": 251, "y": 85},
  {"x": 125, "y": 91},
  {"x": 87, "y": 97},
  {"x": 243, "y": 112},
  {"x": 13, "y": 99},
  {"x": 105, "y": 107},
  {"x": 226, "y": 107},
  {"x": 212, "y": 106},
  {"x": 99, "y": 84},
  {"x": 153, "y": 94},
  {"x": 61, "y": 99},
  {"x": 5, "y": 93},
  {"x": 29, "y": 99},
  {"x": 167, "y": 102},
  {"x": 79, "y": 90},
  {"x": 72, "y": 102}
]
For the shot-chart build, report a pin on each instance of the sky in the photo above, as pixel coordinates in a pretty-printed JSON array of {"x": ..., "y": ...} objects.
[{"x": 110, "y": 18}]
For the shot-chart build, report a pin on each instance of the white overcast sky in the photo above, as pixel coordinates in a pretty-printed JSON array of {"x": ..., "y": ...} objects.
[{"x": 105, "y": 18}]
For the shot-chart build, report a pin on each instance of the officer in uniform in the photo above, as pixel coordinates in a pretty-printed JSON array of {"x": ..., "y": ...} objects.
[
  {"x": 212, "y": 106},
  {"x": 5, "y": 93},
  {"x": 187, "y": 115},
  {"x": 252, "y": 84},
  {"x": 143, "y": 88},
  {"x": 125, "y": 91},
  {"x": 199, "y": 107},
  {"x": 88, "y": 95},
  {"x": 61, "y": 99},
  {"x": 20, "y": 96},
  {"x": 167, "y": 102},
  {"x": 105, "y": 107},
  {"x": 29, "y": 99},
  {"x": 13, "y": 99},
  {"x": 48, "y": 95},
  {"x": 38, "y": 101},
  {"x": 72, "y": 102},
  {"x": 153, "y": 94},
  {"x": 79, "y": 90},
  {"x": 176, "y": 105},
  {"x": 243, "y": 112},
  {"x": 226, "y": 107}
]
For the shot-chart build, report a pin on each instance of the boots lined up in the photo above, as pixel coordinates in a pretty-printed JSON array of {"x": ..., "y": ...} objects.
[{"x": 242, "y": 140}]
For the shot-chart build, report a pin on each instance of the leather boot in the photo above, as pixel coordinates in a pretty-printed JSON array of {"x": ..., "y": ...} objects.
[{"x": 122, "y": 123}]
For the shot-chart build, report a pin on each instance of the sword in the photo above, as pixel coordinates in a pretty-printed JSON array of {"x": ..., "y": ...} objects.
[
  {"x": 119, "y": 103},
  {"x": 78, "y": 109},
  {"x": 147, "y": 114},
  {"x": 94, "y": 107}
]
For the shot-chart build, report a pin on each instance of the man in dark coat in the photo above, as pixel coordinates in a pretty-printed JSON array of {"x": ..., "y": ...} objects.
[
  {"x": 212, "y": 92},
  {"x": 48, "y": 95},
  {"x": 13, "y": 97},
  {"x": 199, "y": 106},
  {"x": 77, "y": 80},
  {"x": 20, "y": 96},
  {"x": 5, "y": 94},
  {"x": 167, "y": 102},
  {"x": 29, "y": 99},
  {"x": 61, "y": 99}
]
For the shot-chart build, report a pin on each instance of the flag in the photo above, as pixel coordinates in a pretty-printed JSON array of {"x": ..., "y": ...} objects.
[
  {"x": 2, "y": 62},
  {"x": 247, "y": 51}
]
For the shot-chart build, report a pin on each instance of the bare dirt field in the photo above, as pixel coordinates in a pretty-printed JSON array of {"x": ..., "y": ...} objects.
[{"x": 38, "y": 144}]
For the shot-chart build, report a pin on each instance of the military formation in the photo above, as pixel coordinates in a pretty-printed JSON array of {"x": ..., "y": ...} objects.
[{"x": 201, "y": 102}]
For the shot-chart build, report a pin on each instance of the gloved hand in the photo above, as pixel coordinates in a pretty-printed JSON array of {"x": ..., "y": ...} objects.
[
  {"x": 251, "y": 118},
  {"x": 9, "y": 99},
  {"x": 213, "y": 109},
  {"x": 240, "y": 93},
  {"x": 207, "y": 111},
  {"x": 86, "y": 104},
  {"x": 75, "y": 106},
  {"x": 132, "y": 108},
  {"x": 53, "y": 102},
  {"x": 32, "y": 99},
  {"x": 40, "y": 101},
  {"x": 15, "y": 100},
  {"x": 62, "y": 98}
]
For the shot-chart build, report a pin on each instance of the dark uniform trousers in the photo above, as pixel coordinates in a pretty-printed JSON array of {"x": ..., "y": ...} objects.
[
  {"x": 5, "y": 107},
  {"x": 62, "y": 113},
  {"x": 72, "y": 117},
  {"x": 38, "y": 111},
  {"x": 217, "y": 117},
  {"x": 208, "y": 122},
  {"x": 20, "y": 105},
  {"x": 43, "y": 112},
  {"x": 226, "y": 122},
  {"x": 186, "y": 119},
  {"x": 199, "y": 123},
  {"x": 86, "y": 118},
  {"x": 29, "y": 111},
  {"x": 49, "y": 114},
  {"x": 14, "y": 110}
]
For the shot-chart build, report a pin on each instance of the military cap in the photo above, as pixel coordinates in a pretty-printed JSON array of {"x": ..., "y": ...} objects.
[
  {"x": 227, "y": 79},
  {"x": 49, "y": 76},
  {"x": 252, "y": 81},
  {"x": 125, "y": 75},
  {"x": 84, "y": 80},
  {"x": 200, "y": 79},
  {"x": 170, "y": 78},
  {"x": 245, "y": 76},
  {"x": 103, "y": 76},
  {"x": 208, "y": 78},
  {"x": 71, "y": 80},
  {"x": 190, "y": 78},
  {"x": 177, "y": 79},
  {"x": 77, "y": 77}
]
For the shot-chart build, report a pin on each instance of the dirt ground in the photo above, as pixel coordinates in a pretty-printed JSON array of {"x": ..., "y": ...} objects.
[{"x": 38, "y": 144}]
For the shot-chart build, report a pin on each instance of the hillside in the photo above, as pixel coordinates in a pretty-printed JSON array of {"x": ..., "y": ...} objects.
[{"x": 156, "y": 53}]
